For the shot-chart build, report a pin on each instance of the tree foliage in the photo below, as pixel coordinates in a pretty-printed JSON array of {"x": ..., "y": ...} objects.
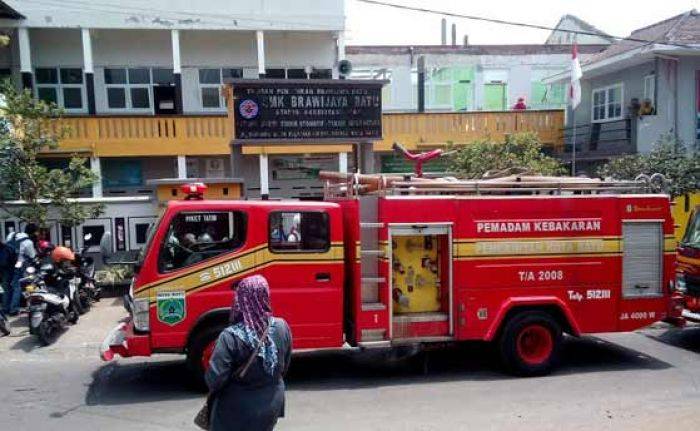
[
  {"x": 668, "y": 157},
  {"x": 520, "y": 151},
  {"x": 29, "y": 128}
]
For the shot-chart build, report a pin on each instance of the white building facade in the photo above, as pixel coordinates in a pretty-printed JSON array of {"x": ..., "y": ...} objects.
[{"x": 140, "y": 61}]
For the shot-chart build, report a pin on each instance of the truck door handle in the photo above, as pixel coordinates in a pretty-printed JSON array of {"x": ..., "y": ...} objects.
[{"x": 323, "y": 276}]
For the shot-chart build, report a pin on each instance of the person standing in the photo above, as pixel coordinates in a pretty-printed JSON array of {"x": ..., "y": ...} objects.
[
  {"x": 251, "y": 399},
  {"x": 520, "y": 105},
  {"x": 23, "y": 246}
]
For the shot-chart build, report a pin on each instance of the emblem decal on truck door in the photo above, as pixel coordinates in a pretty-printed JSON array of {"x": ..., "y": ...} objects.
[{"x": 171, "y": 307}]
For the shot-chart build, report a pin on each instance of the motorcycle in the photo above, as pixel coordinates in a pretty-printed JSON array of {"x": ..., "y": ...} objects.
[
  {"x": 80, "y": 269},
  {"x": 88, "y": 291},
  {"x": 52, "y": 299}
]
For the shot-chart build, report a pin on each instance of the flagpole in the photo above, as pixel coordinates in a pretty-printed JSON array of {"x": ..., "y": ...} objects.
[{"x": 573, "y": 143}]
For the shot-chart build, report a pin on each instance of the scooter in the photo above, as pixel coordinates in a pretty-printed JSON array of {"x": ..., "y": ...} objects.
[
  {"x": 88, "y": 292},
  {"x": 52, "y": 300}
]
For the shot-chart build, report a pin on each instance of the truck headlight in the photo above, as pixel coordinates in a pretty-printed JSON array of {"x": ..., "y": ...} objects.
[
  {"x": 680, "y": 282},
  {"x": 141, "y": 311}
]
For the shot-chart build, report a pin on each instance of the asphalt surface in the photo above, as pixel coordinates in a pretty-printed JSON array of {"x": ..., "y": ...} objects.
[{"x": 647, "y": 380}]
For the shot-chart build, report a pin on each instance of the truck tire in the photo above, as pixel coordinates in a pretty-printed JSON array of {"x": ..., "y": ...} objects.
[
  {"x": 199, "y": 352},
  {"x": 530, "y": 343}
]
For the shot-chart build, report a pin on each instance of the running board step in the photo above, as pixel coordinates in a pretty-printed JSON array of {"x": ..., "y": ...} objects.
[
  {"x": 373, "y": 306},
  {"x": 373, "y": 280},
  {"x": 695, "y": 317},
  {"x": 371, "y": 225}
]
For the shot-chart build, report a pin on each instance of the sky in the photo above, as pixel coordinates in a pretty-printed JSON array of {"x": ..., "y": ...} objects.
[{"x": 377, "y": 25}]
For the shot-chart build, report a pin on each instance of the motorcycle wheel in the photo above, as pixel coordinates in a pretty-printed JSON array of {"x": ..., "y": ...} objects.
[
  {"x": 85, "y": 302},
  {"x": 4, "y": 327},
  {"x": 75, "y": 310},
  {"x": 46, "y": 333},
  {"x": 76, "y": 305}
]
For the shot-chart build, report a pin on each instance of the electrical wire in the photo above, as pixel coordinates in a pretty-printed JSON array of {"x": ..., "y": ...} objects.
[{"x": 516, "y": 23}]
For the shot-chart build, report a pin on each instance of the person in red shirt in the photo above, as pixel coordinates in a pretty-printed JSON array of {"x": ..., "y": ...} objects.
[{"x": 520, "y": 106}]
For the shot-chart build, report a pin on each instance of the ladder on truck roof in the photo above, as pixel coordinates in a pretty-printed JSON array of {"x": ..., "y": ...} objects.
[{"x": 339, "y": 184}]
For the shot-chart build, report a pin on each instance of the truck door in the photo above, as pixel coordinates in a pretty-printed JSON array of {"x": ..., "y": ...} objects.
[{"x": 305, "y": 269}]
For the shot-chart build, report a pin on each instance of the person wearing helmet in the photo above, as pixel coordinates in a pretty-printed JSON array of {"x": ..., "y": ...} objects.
[{"x": 62, "y": 254}]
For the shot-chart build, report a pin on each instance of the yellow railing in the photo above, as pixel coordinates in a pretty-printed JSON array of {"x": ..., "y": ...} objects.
[
  {"x": 209, "y": 135},
  {"x": 415, "y": 130},
  {"x": 147, "y": 136}
]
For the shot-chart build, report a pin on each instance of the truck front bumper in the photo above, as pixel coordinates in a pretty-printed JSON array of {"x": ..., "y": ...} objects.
[{"x": 123, "y": 342}]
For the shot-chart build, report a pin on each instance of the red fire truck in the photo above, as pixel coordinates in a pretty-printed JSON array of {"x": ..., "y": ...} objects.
[
  {"x": 391, "y": 260},
  {"x": 688, "y": 268}
]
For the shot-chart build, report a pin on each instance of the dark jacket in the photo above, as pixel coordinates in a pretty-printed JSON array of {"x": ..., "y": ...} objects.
[{"x": 256, "y": 401}]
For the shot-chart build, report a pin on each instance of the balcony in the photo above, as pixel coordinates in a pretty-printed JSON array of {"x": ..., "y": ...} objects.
[
  {"x": 596, "y": 143},
  {"x": 134, "y": 136},
  {"x": 121, "y": 136},
  {"x": 416, "y": 130}
]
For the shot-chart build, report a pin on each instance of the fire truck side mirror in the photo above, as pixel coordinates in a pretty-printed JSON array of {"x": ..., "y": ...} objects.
[{"x": 106, "y": 246}]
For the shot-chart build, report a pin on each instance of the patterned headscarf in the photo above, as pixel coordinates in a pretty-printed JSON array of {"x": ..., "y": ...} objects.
[{"x": 251, "y": 313}]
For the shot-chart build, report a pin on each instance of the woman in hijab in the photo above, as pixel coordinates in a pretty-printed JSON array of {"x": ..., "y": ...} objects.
[{"x": 256, "y": 400}]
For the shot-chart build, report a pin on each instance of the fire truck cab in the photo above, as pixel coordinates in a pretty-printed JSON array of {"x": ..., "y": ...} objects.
[
  {"x": 391, "y": 260},
  {"x": 688, "y": 268}
]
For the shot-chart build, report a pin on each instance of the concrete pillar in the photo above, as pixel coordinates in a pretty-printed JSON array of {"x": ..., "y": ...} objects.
[
  {"x": 177, "y": 69},
  {"x": 260, "y": 41},
  {"x": 264, "y": 178},
  {"x": 25, "y": 58},
  {"x": 365, "y": 153},
  {"x": 96, "y": 169},
  {"x": 88, "y": 70},
  {"x": 343, "y": 162},
  {"x": 182, "y": 167}
]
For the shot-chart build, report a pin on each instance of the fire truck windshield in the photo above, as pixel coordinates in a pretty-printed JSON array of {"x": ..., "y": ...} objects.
[
  {"x": 149, "y": 239},
  {"x": 692, "y": 232}
]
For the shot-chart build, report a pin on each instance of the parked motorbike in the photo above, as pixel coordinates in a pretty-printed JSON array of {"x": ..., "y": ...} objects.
[
  {"x": 52, "y": 299},
  {"x": 81, "y": 270}
]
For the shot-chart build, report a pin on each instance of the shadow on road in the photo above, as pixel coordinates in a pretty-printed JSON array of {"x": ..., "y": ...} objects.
[
  {"x": 143, "y": 382},
  {"x": 686, "y": 338},
  {"x": 117, "y": 383}
]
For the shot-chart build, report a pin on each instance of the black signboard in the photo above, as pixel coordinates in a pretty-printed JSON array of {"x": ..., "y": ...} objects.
[{"x": 307, "y": 110}]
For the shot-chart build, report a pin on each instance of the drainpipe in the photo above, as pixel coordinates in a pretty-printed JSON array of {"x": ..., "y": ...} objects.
[{"x": 421, "y": 83}]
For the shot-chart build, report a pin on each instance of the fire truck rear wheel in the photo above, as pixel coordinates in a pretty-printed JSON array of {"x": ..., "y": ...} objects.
[
  {"x": 530, "y": 343},
  {"x": 199, "y": 352}
]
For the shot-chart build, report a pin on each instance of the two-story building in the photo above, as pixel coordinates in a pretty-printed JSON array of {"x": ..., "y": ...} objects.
[
  {"x": 140, "y": 84},
  {"x": 633, "y": 92}
]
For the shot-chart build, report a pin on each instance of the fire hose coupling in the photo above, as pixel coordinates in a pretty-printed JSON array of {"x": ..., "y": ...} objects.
[{"x": 141, "y": 313}]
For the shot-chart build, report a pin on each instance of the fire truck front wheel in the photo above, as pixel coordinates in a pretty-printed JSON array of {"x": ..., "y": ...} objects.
[
  {"x": 199, "y": 353},
  {"x": 530, "y": 343}
]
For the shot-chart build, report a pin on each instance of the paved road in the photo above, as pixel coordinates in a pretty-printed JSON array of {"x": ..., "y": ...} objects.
[{"x": 646, "y": 380}]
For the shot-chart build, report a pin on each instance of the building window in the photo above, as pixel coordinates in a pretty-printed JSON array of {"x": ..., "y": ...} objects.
[
  {"x": 650, "y": 89},
  {"x": 607, "y": 103},
  {"x": 275, "y": 73},
  {"x": 130, "y": 89},
  {"x": 320, "y": 74},
  {"x": 210, "y": 81},
  {"x": 62, "y": 86}
]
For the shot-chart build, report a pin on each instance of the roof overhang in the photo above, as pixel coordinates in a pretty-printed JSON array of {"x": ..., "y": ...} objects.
[{"x": 624, "y": 60}]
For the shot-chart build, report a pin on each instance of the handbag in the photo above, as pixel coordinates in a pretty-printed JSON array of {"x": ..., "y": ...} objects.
[{"x": 203, "y": 417}]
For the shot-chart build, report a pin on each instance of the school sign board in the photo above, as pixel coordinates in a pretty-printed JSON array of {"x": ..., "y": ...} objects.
[{"x": 296, "y": 110}]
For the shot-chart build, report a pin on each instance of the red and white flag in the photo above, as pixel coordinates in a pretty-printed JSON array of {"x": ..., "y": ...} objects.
[{"x": 576, "y": 74}]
